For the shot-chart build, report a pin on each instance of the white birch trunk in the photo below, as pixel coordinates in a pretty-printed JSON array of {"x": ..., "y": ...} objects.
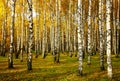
[
  {"x": 18, "y": 36},
  {"x": 30, "y": 43},
  {"x": 22, "y": 32},
  {"x": 10, "y": 55},
  {"x": 101, "y": 34},
  {"x": 69, "y": 28},
  {"x": 52, "y": 30},
  {"x": 89, "y": 32},
  {"x": 3, "y": 38},
  {"x": 57, "y": 33},
  {"x": 44, "y": 32},
  {"x": 108, "y": 28},
  {"x": 80, "y": 37}
]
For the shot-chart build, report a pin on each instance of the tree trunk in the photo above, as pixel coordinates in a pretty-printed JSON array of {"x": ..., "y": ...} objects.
[
  {"x": 118, "y": 28},
  {"x": 69, "y": 28},
  {"x": 18, "y": 38},
  {"x": 37, "y": 30},
  {"x": 67, "y": 34},
  {"x": 80, "y": 37},
  {"x": 3, "y": 38},
  {"x": 22, "y": 32},
  {"x": 44, "y": 33},
  {"x": 10, "y": 56},
  {"x": 108, "y": 28},
  {"x": 89, "y": 32},
  {"x": 57, "y": 33},
  {"x": 4, "y": 25},
  {"x": 101, "y": 34},
  {"x": 29, "y": 61}
]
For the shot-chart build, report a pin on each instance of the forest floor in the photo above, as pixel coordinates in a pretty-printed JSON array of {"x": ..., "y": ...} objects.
[{"x": 66, "y": 70}]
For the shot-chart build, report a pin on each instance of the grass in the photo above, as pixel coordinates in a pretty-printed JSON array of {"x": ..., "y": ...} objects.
[{"x": 66, "y": 70}]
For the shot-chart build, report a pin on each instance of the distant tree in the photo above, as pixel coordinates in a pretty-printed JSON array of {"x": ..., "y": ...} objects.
[
  {"x": 57, "y": 33},
  {"x": 52, "y": 28},
  {"x": 89, "y": 32},
  {"x": 4, "y": 29},
  {"x": 101, "y": 34},
  {"x": 22, "y": 31},
  {"x": 37, "y": 29},
  {"x": 3, "y": 49},
  {"x": 118, "y": 26},
  {"x": 10, "y": 56},
  {"x": 18, "y": 38},
  {"x": 69, "y": 28},
  {"x": 44, "y": 43}
]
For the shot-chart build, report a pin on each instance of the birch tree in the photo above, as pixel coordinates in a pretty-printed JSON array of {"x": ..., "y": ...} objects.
[
  {"x": 101, "y": 35},
  {"x": 44, "y": 33},
  {"x": 118, "y": 26},
  {"x": 22, "y": 31},
  {"x": 108, "y": 28},
  {"x": 10, "y": 55},
  {"x": 67, "y": 34},
  {"x": 89, "y": 32},
  {"x": 118, "y": 20},
  {"x": 4, "y": 25},
  {"x": 69, "y": 28},
  {"x": 114, "y": 26},
  {"x": 30, "y": 41},
  {"x": 80, "y": 37},
  {"x": 37, "y": 39},
  {"x": 18, "y": 36},
  {"x": 52, "y": 33},
  {"x": 3, "y": 38},
  {"x": 57, "y": 33}
]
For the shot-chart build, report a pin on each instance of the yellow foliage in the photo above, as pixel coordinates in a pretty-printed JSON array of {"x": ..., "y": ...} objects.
[{"x": 1, "y": 9}]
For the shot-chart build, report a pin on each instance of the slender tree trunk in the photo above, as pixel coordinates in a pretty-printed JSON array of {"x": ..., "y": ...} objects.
[
  {"x": 96, "y": 24},
  {"x": 40, "y": 47},
  {"x": 44, "y": 33},
  {"x": 57, "y": 33},
  {"x": 22, "y": 32},
  {"x": 62, "y": 37},
  {"x": 80, "y": 37},
  {"x": 114, "y": 34},
  {"x": 18, "y": 37},
  {"x": 38, "y": 33},
  {"x": 29, "y": 62},
  {"x": 67, "y": 34},
  {"x": 59, "y": 26},
  {"x": 69, "y": 28},
  {"x": 75, "y": 29},
  {"x": 26, "y": 38},
  {"x": 89, "y": 32},
  {"x": 118, "y": 27},
  {"x": 52, "y": 36},
  {"x": 10, "y": 56},
  {"x": 84, "y": 24},
  {"x": 37, "y": 30},
  {"x": 101, "y": 35},
  {"x": 3, "y": 38},
  {"x": 4, "y": 25},
  {"x": 108, "y": 28}
]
